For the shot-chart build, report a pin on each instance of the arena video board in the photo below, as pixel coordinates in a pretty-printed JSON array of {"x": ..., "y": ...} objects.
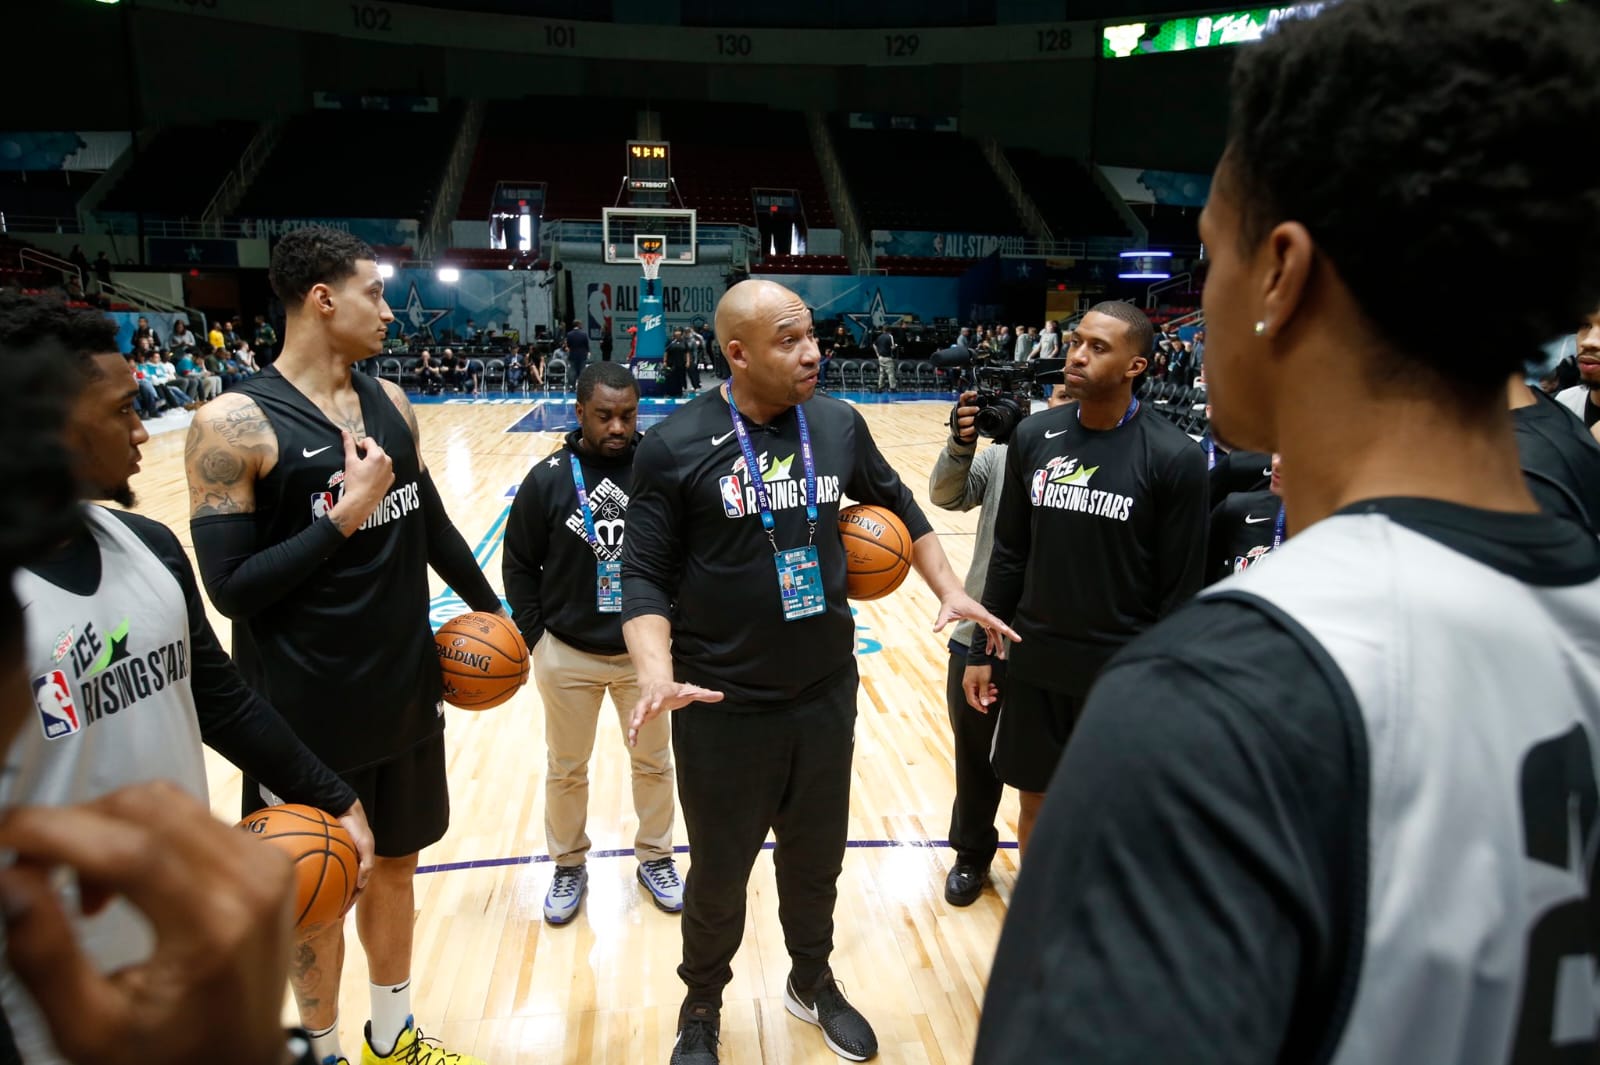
[{"x": 1197, "y": 31}]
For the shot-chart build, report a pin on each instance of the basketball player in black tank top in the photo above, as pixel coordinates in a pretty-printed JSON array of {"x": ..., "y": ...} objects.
[{"x": 314, "y": 521}]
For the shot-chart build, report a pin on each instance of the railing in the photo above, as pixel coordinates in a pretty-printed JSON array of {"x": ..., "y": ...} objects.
[
  {"x": 1032, "y": 217},
  {"x": 1152, "y": 294},
  {"x": 435, "y": 230},
  {"x": 24, "y": 223},
  {"x": 52, "y": 262},
  {"x": 233, "y": 187},
  {"x": 149, "y": 301},
  {"x": 857, "y": 252}
]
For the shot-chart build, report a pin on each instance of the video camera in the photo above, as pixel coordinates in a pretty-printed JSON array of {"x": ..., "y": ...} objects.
[{"x": 1006, "y": 391}]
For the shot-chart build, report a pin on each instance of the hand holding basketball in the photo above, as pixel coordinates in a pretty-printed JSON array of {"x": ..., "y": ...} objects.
[
  {"x": 324, "y": 857},
  {"x": 663, "y": 696},
  {"x": 877, "y": 550},
  {"x": 354, "y": 822},
  {"x": 218, "y": 903},
  {"x": 482, "y": 658}
]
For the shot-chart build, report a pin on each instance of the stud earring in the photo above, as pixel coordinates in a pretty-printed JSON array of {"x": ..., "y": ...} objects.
[{"x": 1261, "y": 329}]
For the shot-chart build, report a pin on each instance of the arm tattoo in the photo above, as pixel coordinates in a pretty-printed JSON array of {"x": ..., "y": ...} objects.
[{"x": 221, "y": 467}]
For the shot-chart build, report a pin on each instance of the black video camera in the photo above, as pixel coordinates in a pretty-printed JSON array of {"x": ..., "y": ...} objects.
[{"x": 1006, "y": 391}]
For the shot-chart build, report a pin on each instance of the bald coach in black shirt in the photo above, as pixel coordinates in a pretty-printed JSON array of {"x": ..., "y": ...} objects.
[{"x": 734, "y": 596}]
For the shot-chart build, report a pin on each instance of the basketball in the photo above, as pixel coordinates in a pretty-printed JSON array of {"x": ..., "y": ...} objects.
[
  {"x": 324, "y": 857},
  {"x": 482, "y": 658},
  {"x": 877, "y": 550}
]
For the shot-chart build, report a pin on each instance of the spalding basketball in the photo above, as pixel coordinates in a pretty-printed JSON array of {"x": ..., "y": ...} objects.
[
  {"x": 324, "y": 857},
  {"x": 482, "y": 658},
  {"x": 877, "y": 550}
]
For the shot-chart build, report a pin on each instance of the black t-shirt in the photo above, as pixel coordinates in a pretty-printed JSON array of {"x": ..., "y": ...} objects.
[
  {"x": 347, "y": 656},
  {"x": 884, "y": 345},
  {"x": 550, "y": 568},
  {"x": 234, "y": 720},
  {"x": 1193, "y": 883},
  {"x": 1560, "y": 460},
  {"x": 1238, "y": 471},
  {"x": 1243, "y": 528},
  {"x": 578, "y": 342},
  {"x": 1099, "y": 534},
  {"x": 695, "y": 551}
]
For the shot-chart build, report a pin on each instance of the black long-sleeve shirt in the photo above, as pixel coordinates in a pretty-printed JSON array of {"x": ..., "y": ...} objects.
[
  {"x": 1560, "y": 460},
  {"x": 695, "y": 551},
  {"x": 549, "y": 567},
  {"x": 235, "y": 721},
  {"x": 1243, "y": 528},
  {"x": 1099, "y": 535}
]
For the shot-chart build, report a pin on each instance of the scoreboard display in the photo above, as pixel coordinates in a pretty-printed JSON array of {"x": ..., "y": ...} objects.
[{"x": 649, "y": 166}]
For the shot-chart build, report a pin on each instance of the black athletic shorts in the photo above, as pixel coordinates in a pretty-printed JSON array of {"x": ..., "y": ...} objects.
[
  {"x": 406, "y": 799},
  {"x": 1035, "y": 724}
]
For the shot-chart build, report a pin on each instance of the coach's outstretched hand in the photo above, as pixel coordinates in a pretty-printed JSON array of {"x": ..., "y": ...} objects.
[
  {"x": 959, "y": 606},
  {"x": 220, "y": 905},
  {"x": 659, "y": 697}
]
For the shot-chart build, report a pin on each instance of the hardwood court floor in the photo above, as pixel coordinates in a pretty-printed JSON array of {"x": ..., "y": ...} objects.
[{"x": 492, "y": 979}]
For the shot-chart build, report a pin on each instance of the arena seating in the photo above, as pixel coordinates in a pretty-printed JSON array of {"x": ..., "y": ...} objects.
[
  {"x": 923, "y": 267},
  {"x": 720, "y": 152},
  {"x": 354, "y": 164},
  {"x": 43, "y": 194},
  {"x": 1169, "y": 225},
  {"x": 924, "y": 181},
  {"x": 804, "y": 264},
  {"x": 1072, "y": 204},
  {"x": 177, "y": 173},
  {"x": 574, "y": 145}
]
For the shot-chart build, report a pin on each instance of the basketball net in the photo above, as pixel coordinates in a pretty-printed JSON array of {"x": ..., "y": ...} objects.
[{"x": 651, "y": 261}]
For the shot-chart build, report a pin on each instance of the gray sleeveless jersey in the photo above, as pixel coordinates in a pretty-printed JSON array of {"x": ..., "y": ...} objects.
[
  {"x": 112, "y": 706},
  {"x": 1479, "y": 696}
]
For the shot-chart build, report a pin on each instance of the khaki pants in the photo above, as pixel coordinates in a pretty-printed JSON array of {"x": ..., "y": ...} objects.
[{"x": 573, "y": 684}]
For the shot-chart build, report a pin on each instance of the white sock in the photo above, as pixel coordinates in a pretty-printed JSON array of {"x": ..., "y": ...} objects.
[
  {"x": 391, "y": 1008},
  {"x": 325, "y": 1044}
]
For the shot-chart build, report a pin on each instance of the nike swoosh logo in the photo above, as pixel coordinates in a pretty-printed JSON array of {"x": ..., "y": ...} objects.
[
  {"x": 308, "y": 453},
  {"x": 1052, "y": 436},
  {"x": 718, "y": 441},
  {"x": 1255, "y": 521},
  {"x": 1267, "y": 472}
]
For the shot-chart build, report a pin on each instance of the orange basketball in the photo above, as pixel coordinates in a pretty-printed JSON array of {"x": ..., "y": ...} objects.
[
  {"x": 483, "y": 659},
  {"x": 324, "y": 857},
  {"x": 877, "y": 550}
]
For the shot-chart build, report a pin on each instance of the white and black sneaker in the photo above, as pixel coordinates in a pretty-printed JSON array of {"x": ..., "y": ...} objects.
[
  {"x": 566, "y": 892},
  {"x": 699, "y": 1025},
  {"x": 846, "y": 1032}
]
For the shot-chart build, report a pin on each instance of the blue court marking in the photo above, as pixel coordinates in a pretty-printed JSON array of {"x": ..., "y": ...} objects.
[
  {"x": 682, "y": 848},
  {"x": 447, "y": 604}
]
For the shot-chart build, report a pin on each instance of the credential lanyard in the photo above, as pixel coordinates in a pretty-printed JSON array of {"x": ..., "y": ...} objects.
[
  {"x": 753, "y": 471},
  {"x": 583, "y": 502},
  {"x": 1278, "y": 529},
  {"x": 1211, "y": 452},
  {"x": 1133, "y": 407}
]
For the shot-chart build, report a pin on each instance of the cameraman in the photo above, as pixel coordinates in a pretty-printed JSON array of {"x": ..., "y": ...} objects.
[
  {"x": 1114, "y": 497},
  {"x": 961, "y": 482}
]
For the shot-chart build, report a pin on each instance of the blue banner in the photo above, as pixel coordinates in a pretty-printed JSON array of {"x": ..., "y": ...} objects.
[
  {"x": 491, "y": 299},
  {"x": 652, "y": 322},
  {"x": 866, "y": 304},
  {"x": 176, "y": 251},
  {"x": 941, "y": 245},
  {"x": 379, "y": 232}
]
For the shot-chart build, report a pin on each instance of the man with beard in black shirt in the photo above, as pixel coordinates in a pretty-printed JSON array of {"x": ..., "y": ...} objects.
[
  {"x": 1583, "y": 398},
  {"x": 1343, "y": 807},
  {"x": 563, "y": 574},
  {"x": 1100, "y": 534},
  {"x": 1560, "y": 457},
  {"x": 733, "y": 578}
]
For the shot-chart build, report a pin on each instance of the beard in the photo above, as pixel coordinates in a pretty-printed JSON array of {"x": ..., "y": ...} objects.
[{"x": 122, "y": 495}]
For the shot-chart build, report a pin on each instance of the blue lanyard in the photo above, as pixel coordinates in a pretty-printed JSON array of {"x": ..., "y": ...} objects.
[
  {"x": 583, "y": 501},
  {"x": 1278, "y": 529},
  {"x": 1211, "y": 452},
  {"x": 753, "y": 471},
  {"x": 1133, "y": 407}
]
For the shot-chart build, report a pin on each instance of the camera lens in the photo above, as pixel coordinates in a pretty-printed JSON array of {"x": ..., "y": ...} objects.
[{"x": 997, "y": 420}]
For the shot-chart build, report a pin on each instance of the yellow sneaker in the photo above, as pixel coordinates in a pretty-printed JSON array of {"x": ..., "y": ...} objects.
[{"x": 414, "y": 1048}]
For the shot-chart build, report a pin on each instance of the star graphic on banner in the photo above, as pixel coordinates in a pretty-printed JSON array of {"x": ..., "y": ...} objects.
[
  {"x": 875, "y": 316},
  {"x": 1023, "y": 270},
  {"x": 194, "y": 253},
  {"x": 414, "y": 317}
]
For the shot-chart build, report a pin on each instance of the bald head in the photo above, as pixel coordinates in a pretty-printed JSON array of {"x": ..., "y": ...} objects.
[{"x": 766, "y": 335}]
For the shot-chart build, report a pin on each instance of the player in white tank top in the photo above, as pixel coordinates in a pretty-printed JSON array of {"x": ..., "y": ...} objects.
[{"x": 1345, "y": 807}]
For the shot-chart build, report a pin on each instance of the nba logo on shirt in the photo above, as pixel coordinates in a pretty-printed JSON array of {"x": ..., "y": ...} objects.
[
  {"x": 321, "y": 503},
  {"x": 1037, "y": 492},
  {"x": 732, "y": 497},
  {"x": 58, "y": 715}
]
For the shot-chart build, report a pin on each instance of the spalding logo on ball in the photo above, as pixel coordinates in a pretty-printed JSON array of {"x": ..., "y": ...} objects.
[
  {"x": 877, "y": 550},
  {"x": 482, "y": 660}
]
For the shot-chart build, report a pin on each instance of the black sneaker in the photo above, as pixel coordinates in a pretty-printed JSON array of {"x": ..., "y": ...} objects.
[
  {"x": 698, "y": 1027},
  {"x": 846, "y": 1032},
  {"x": 964, "y": 884}
]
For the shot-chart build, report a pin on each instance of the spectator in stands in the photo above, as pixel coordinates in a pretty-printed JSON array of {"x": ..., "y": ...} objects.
[
  {"x": 677, "y": 356},
  {"x": 964, "y": 338},
  {"x": 1003, "y": 343},
  {"x": 883, "y": 344},
  {"x": 247, "y": 359},
  {"x": 516, "y": 368},
  {"x": 1049, "y": 342},
  {"x": 215, "y": 338},
  {"x": 182, "y": 340},
  {"x": 199, "y": 382},
  {"x": 229, "y": 337},
  {"x": 214, "y": 364},
  {"x": 1159, "y": 367},
  {"x": 143, "y": 330},
  {"x": 191, "y": 383},
  {"x": 266, "y": 340},
  {"x": 160, "y": 376},
  {"x": 578, "y": 346},
  {"x": 74, "y": 289},
  {"x": 458, "y": 372},
  {"x": 81, "y": 261},
  {"x": 429, "y": 377},
  {"x": 102, "y": 269},
  {"x": 148, "y": 404},
  {"x": 1024, "y": 344}
]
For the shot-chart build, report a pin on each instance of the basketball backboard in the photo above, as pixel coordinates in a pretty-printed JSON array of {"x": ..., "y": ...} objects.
[{"x": 626, "y": 231}]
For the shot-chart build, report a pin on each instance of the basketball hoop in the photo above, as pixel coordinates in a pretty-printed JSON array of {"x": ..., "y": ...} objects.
[{"x": 651, "y": 261}]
